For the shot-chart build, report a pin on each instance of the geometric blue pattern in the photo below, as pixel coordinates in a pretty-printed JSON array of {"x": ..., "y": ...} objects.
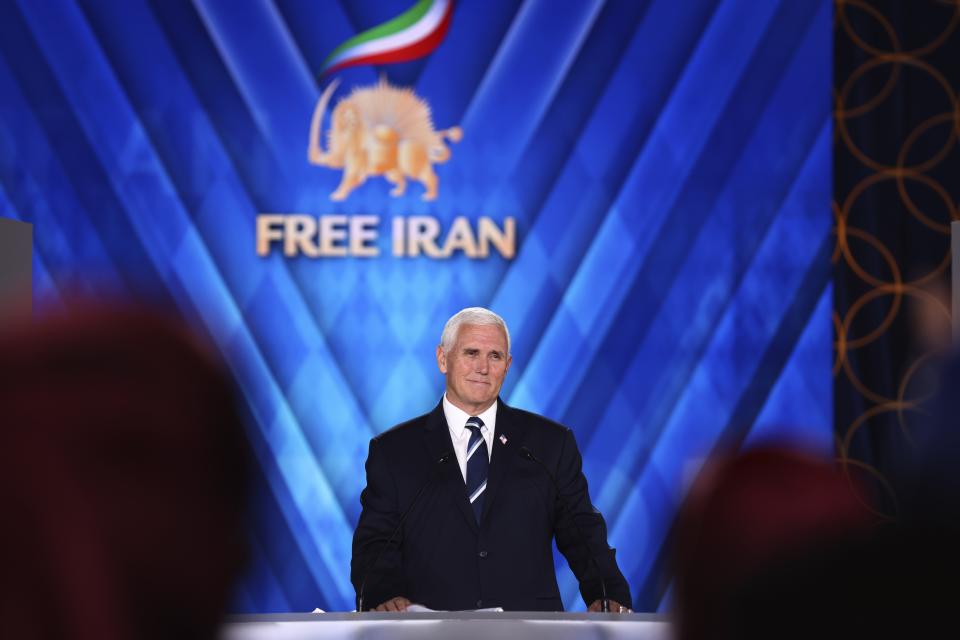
[{"x": 668, "y": 168}]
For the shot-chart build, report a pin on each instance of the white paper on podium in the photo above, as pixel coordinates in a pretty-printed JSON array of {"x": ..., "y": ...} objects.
[{"x": 419, "y": 608}]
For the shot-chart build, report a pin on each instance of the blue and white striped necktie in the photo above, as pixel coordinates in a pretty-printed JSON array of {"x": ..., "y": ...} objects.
[{"x": 478, "y": 462}]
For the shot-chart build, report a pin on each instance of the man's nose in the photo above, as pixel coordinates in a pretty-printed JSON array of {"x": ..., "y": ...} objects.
[{"x": 481, "y": 365}]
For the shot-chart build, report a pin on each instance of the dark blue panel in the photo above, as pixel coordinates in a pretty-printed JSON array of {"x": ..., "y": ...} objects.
[{"x": 668, "y": 171}]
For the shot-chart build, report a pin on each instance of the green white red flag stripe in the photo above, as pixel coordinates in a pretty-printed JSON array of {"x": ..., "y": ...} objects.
[{"x": 411, "y": 35}]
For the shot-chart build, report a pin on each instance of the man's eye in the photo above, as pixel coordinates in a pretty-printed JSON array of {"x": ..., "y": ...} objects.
[{"x": 495, "y": 356}]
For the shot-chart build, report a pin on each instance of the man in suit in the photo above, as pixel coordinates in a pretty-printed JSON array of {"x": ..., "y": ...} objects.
[{"x": 462, "y": 504}]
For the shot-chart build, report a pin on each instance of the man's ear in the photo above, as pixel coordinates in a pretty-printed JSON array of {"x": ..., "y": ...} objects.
[{"x": 442, "y": 360}]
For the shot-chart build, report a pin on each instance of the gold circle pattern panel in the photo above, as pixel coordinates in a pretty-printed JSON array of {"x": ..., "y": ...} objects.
[{"x": 896, "y": 170}]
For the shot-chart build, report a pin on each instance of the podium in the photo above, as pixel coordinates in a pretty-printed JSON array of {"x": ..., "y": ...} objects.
[
  {"x": 16, "y": 269},
  {"x": 463, "y": 625}
]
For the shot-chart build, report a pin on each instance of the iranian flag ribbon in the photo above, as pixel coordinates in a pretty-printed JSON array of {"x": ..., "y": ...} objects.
[{"x": 411, "y": 35}]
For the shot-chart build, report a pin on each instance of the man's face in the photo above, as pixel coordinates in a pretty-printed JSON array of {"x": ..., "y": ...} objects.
[{"x": 475, "y": 367}]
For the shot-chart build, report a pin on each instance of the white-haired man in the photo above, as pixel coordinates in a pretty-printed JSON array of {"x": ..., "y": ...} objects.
[{"x": 478, "y": 534}]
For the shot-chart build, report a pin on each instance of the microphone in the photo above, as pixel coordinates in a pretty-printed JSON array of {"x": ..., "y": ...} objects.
[
  {"x": 446, "y": 455},
  {"x": 604, "y": 601}
]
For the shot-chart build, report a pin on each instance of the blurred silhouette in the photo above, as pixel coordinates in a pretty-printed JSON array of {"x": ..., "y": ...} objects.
[
  {"x": 124, "y": 480},
  {"x": 770, "y": 544},
  {"x": 745, "y": 515}
]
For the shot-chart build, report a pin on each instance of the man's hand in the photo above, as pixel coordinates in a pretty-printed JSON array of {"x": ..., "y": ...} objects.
[
  {"x": 615, "y": 607},
  {"x": 400, "y": 604}
]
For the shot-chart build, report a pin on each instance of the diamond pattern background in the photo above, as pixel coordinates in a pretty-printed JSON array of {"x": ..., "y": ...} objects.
[{"x": 668, "y": 168}]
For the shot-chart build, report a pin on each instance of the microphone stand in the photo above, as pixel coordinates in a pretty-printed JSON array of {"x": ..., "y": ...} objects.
[
  {"x": 443, "y": 458},
  {"x": 604, "y": 601}
]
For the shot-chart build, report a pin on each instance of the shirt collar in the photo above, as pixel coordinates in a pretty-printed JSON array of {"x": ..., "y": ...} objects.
[{"x": 457, "y": 418}]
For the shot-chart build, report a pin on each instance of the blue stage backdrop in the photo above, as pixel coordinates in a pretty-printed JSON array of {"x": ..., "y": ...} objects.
[{"x": 640, "y": 187}]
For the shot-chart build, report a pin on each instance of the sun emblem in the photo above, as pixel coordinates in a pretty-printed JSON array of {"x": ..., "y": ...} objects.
[{"x": 380, "y": 130}]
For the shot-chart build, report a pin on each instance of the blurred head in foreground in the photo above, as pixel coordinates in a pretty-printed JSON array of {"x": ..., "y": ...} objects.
[
  {"x": 772, "y": 545},
  {"x": 124, "y": 480},
  {"x": 745, "y": 518}
]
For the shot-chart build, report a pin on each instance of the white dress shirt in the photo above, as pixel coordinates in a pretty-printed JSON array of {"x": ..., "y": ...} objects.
[{"x": 457, "y": 423}]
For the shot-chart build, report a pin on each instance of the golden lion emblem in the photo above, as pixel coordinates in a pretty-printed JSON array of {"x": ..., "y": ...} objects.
[{"x": 380, "y": 130}]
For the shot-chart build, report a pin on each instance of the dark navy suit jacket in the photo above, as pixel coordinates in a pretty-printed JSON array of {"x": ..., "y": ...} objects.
[{"x": 442, "y": 557}]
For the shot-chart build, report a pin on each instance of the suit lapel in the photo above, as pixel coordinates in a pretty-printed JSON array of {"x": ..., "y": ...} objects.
[
  {"x": 508, "y": 435},
  {"x": 437, "y": 438}
]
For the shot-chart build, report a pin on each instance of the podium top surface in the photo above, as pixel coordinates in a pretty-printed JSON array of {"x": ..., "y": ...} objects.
[
  {"x": 464, "y": 625},
  {"x": 352, "y": 616}
]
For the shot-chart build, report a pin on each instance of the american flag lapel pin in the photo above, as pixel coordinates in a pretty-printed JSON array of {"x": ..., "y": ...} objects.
[{"x": 503, "y": 439}]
